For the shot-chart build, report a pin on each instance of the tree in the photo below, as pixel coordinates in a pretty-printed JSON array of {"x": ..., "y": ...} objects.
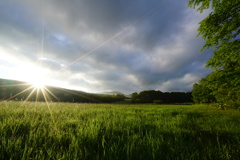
[
  {"x": 148, "y": 96},
  {"x": 220, "y": 30},
  {"x": 202, "y": 93},
  {"x": 225, "y": 87},
  {"x": 134, "y": 97},
  {"x": 119, "y": 97}
]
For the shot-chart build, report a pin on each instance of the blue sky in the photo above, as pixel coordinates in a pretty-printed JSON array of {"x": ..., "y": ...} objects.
[{"x": 102, "y": 46}]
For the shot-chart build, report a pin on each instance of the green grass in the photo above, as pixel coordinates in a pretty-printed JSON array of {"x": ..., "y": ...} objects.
[{"x": 117, "y": 131}]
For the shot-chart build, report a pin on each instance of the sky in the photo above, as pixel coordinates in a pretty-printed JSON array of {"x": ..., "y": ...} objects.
[{"x": 103, "y": 45}]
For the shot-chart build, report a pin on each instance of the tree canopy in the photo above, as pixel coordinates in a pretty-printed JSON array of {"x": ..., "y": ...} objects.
[{"x": 220, "y": 30}]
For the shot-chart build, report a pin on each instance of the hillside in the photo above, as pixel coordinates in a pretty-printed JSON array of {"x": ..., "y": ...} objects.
[{"x": 18, "y": 90}]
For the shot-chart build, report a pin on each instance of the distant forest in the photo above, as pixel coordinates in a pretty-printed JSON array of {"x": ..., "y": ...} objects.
[
  {"x": 20, "y": 91},
  {"x": 158, "y": 97}
]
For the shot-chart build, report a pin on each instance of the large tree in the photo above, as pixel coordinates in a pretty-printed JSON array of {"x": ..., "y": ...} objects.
[
  {"x": 202, "y": 93},
  {"x": 221, "y": 31}
]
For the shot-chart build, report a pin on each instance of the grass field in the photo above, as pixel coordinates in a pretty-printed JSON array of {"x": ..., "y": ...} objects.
[{"x": 112, "y": 132}]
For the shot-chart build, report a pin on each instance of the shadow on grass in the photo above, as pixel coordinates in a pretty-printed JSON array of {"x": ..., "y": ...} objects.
[{"x": 148, "y": 142}]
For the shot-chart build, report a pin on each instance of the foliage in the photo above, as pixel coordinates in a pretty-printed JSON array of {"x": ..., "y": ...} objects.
[
  {"x": 225, "y": 87},
  {"x": 202, "y": 93},
  {"x": 149, "y": 96},
  {"x": 134, "y": 97},
  {"x": 157, "y": 101},
  {"x": 221, "y": 87},
  {"x": 103, "y": 131},
  {"x": 221, "y": 29}
]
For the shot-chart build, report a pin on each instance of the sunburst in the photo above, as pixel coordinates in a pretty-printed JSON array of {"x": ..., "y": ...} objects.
[{"x": 38, "y": 84}]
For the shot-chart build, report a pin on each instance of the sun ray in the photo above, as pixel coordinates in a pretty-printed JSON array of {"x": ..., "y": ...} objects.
[
  {"x": 29, "y": 96},
  {"x": 20, "y": 93},
  {"x": 52, "y": 94},
  {"x": 50, "y": 111},
  {"x": 37, "y": 95},
  {"x": 47, "y": 96},
  {"x": 43, "y": 31},
  {"x": 14, "y": 85}
]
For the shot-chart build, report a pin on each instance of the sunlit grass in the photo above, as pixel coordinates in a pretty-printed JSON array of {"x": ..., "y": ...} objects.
[{"x": 106, "y": 131}]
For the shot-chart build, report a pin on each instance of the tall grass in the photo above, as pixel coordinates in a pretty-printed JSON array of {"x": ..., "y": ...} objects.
[{"x": 104, "y": 131}]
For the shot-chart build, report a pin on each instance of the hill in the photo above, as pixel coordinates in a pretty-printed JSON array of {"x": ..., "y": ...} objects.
[{"x": 20, "y": 91}]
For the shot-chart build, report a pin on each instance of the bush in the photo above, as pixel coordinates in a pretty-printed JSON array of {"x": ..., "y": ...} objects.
[{"x": 157, "y": 101}]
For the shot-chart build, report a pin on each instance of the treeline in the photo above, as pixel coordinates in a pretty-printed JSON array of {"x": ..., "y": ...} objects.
[{"x": 152, "y": 96}]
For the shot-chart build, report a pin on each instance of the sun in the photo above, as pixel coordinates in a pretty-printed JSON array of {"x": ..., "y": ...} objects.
[
  {"x": 39, "y": 84},
  {"x": 36, "y": 77},
  {"x": 38, "y": 81}
]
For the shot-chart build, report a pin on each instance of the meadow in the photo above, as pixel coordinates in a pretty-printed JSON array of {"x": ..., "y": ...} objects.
[{"x": 34, "y": 130}]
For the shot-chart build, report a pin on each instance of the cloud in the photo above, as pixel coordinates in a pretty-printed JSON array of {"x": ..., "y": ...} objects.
[{"x": 99, "y": 46}]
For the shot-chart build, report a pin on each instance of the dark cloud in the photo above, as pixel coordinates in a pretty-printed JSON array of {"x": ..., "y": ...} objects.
[{"x": 105, "y": 45}]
